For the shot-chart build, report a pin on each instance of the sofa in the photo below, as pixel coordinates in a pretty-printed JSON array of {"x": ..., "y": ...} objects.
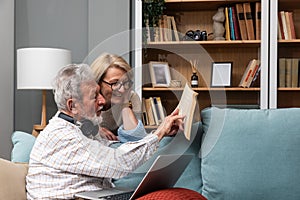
[{"x": 239, "y": 154}]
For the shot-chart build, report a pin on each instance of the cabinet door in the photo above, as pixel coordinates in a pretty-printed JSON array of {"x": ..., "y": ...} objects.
[{"x": 284, "y": 53}]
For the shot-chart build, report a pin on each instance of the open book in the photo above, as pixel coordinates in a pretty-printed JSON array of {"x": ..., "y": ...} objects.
[{"x": 187, "y": 105}]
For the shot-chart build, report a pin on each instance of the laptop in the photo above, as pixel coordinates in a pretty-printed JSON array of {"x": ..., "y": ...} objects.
[{"x": 163, "y": 174}]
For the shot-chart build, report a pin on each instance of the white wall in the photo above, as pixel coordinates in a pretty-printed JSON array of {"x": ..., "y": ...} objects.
[{"x": 6, "y": 76}]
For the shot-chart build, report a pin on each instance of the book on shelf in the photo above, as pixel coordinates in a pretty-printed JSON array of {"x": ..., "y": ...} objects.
[
  {"x": 249, "y": 20},
  {"x": 280, "y": 28},
  {"x": 255, "y": 79},
  {"x": 281, "y": 70},
  {"x": 149, "y": 112},
  {"x": 295, "y": 72},
  {"x": 174, "y": 28},
  {"x": 288, "y": 72},
  {"x": 155, "y": 112},
  {"x": 249, "y": 73},
  {"x": 241, "y": 20},
  {"x": 284, "y": 25},
  {"x": 160, "y": 107},
  {"x": 258, "y": 20},
  {"x": 231, "y": 25},
  {"x": 254, "y": 73},
  {"x": 186, "y": 106},
  {"x": 288, "y": 24},
  {"x": 144, "y": 113},
  {"x": 227, "y": 28},
  {"x": 292, "y": 25},
  {"x": 160, "y": 27},
  {"x": 236, "y": 27},
  {"x": 167, "y": 30}
]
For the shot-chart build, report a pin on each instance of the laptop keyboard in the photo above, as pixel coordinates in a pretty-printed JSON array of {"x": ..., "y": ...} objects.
[{"x": 122, "y": 196}]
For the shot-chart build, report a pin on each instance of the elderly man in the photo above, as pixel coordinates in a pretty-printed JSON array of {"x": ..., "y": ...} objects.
[{"x": 65, "y": 160}]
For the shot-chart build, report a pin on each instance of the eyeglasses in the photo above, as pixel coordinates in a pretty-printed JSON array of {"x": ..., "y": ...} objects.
[{"x": 117, "y": 85}]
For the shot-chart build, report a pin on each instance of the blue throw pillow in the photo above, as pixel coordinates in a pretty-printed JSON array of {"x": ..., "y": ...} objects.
[
  {"x": 251, "y": 154},
  {"x": 191, "y": 177},
  {"x": 22, "y": 145}
]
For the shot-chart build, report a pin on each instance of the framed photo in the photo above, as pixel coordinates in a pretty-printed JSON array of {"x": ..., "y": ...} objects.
[
  {"x": 221, "y": 74},
  {"x": 160, "y": 74}
]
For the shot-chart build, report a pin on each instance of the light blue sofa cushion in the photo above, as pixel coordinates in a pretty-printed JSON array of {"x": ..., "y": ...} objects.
[
  {"x": 191, "y": 177},
  {"x": 251, "y": 154},
  {"x": 22, "y": 145}
]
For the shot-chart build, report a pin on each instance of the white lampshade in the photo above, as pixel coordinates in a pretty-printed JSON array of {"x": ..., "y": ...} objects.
[{"x": 37, "y": 67}]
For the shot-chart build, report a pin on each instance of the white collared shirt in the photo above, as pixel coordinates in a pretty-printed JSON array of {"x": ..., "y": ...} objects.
[{"x": 64, "y": 162}]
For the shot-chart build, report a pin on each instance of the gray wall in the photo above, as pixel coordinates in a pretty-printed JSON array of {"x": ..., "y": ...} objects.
[
  {"x": 6, "y": 76},
  {"x": 72, "y": 24},
  {"x": 109, "y": 25},
  {"x": 43, "y": 23}
]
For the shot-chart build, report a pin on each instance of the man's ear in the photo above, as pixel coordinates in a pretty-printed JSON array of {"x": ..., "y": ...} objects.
[{"x": 71, "y": 106}]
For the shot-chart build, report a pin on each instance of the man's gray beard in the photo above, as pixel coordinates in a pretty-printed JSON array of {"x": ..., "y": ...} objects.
[{"x": 96, "y": 120}]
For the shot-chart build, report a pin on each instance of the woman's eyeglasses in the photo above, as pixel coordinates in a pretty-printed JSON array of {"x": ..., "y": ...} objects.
[{"x": 117, "y": 85}]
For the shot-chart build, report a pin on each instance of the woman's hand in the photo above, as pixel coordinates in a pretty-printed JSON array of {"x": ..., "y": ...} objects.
[
  {"x": 105, "y": 133},
  {"x": 170, "y": 125}
]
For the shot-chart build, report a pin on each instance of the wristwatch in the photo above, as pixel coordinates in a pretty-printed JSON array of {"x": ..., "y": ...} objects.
[{"x": 127, "y": 105}]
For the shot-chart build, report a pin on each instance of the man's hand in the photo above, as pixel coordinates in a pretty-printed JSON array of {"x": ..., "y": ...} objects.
[{"x": 170, "y": 125}]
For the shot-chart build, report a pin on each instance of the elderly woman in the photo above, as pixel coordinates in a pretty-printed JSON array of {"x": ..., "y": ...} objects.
[{"x": 123, "y": 105}]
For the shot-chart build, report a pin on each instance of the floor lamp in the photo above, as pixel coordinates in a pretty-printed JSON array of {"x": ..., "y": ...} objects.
[{"x": 36, "y": 69}]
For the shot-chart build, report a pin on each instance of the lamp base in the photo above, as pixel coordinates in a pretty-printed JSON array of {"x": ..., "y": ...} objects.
[{"x": 37, "y": 128}]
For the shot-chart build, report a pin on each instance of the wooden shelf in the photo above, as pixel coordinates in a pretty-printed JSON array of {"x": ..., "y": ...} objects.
[
  {"x": 212, "y": 43},
  {"x": 182, "y": 5},
  {"x": 229, "y": 89},
  {"x": 289, "y": 89},
  {"x": 289, "y": 43}
]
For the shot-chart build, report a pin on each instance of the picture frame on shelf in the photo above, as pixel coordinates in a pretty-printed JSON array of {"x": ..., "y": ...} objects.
[
  {"x": 221, "y": 73},
  {"x": 159, "y": 74}
]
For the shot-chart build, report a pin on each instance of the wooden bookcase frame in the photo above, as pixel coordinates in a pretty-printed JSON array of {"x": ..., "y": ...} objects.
[
  {"x": 200, "y": 12},
  {"x": 283, "y": 97}
]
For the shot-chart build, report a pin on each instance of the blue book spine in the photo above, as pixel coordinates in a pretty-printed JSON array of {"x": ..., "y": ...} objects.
[{"x": 232, "y": 34}]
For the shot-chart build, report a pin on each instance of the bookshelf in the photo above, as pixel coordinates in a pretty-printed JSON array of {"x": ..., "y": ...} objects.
[
  {"x": 284, "y": 96},
  {"x": 194, "y": 15}
]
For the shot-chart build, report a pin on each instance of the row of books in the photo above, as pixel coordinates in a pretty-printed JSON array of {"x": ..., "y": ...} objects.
[
  {"x": 166, "y": 31},
  {"x": 250, "y": 74},
  {"x": 243, "y": 21},
  {"x": 288, "y": 72},
  {"x": 286, "y": 27},
  {"x": 153, "y": 111}
]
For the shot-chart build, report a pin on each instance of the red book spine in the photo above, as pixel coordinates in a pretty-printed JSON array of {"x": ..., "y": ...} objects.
[{"x": 236, "y": 24}]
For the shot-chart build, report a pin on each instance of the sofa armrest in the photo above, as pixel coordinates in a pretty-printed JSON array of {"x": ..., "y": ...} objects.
[{"x": 12, "y": 180}]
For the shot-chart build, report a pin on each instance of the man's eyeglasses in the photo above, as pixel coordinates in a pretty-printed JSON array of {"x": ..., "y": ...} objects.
[{"x": 117, "y": 85}]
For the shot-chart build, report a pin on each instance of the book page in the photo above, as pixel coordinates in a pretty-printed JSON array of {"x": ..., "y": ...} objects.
[{"x": 186, "y": 107}]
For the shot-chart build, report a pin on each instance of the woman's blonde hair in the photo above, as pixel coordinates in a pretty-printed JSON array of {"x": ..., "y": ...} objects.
[{"x": 105, "y": 61}]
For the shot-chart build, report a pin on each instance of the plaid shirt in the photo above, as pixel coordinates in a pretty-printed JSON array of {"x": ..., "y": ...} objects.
[{"x": 64, "y": 162}]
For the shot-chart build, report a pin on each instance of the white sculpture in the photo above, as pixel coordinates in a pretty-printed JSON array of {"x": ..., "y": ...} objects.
[{"x": 218, "y": 25}]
